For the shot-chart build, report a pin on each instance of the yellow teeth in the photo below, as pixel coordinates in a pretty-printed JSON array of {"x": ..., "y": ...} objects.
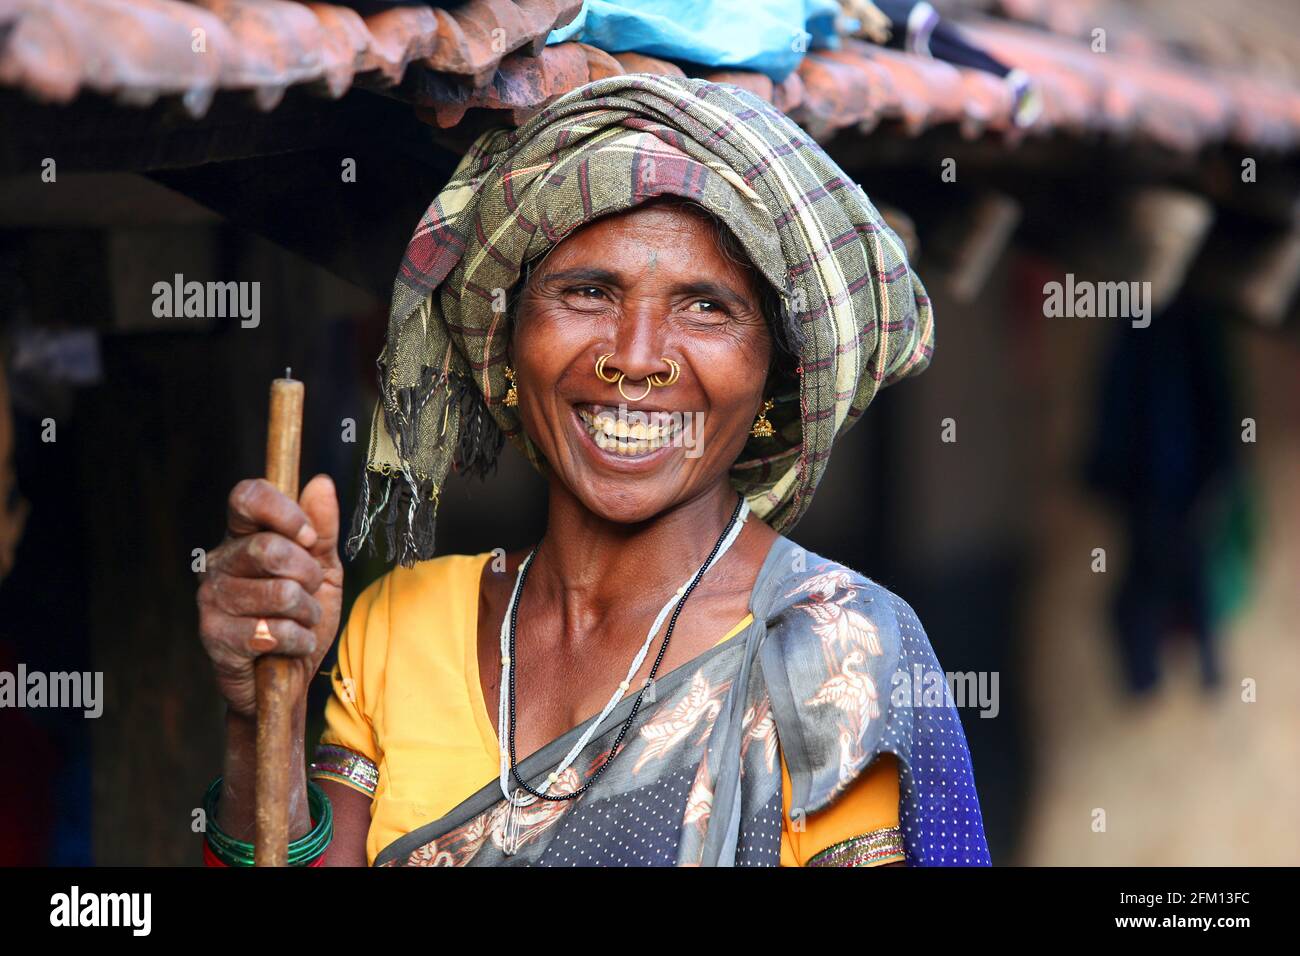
[{"x": 615, "y": 434}]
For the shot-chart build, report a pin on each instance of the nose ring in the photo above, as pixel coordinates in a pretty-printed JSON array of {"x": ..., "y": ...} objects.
[
  {"x": 648, "y": 386},
  {"x": 674, "y": 373},
  {"x": 600, "y": 369}
]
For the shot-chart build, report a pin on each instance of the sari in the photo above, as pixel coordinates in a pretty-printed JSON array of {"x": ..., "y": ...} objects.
[{"x": 823, "y": 671}]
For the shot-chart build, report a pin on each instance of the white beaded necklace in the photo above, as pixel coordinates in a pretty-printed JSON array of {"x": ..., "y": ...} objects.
[{"x": 521, "y": 797}]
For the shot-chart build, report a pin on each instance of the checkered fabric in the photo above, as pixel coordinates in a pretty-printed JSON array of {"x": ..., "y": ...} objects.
[{"x": 600, "y": 149}]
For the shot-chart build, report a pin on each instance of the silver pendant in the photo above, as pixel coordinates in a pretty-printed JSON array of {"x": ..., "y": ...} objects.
[{"x": 510, "y": 834}]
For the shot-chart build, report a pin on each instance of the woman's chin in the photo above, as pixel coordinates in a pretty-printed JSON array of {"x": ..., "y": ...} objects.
[
  {"x": 622, "y": 500},
  {"x": 620, "y": 481}
]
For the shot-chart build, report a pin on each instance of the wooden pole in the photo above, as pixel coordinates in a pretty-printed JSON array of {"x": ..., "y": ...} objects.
[{"x": 274, "y": 673}]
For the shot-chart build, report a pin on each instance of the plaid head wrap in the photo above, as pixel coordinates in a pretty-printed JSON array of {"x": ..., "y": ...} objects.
[{"x": 863, "y": 316}]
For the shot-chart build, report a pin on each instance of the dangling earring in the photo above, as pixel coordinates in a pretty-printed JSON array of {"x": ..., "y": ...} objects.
[
  {"x": 762, "y": 427},
  {"x": 512, "y": 393}
]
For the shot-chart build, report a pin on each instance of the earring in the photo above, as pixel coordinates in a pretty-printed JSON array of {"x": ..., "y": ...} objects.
[
  {"x": 762, "y": 427},
  {"x": 512, "y": 393}
]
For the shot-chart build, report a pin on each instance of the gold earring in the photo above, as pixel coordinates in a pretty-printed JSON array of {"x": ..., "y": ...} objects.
[
  {"x": 762, "y": 427},
  {"x": 512, "y": 393}
]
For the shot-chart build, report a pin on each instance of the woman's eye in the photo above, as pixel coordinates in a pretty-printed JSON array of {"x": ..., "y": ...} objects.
[
  {"x": 703, "y": 305},
  {"x": 588, "y": 291}
]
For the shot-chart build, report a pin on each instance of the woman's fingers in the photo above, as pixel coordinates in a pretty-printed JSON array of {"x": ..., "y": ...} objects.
[
  {"x": 263, "y": 589},
  {"x": 266, "y": 554},
  {"x": 240, "y": 597},
  {"x": 257, "y": 505},
  {"x": 234, "y": 640},
  {"x": 279, "y": 636}
]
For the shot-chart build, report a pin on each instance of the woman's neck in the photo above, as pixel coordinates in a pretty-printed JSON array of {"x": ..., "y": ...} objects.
[{"x": 595, "y": 566}]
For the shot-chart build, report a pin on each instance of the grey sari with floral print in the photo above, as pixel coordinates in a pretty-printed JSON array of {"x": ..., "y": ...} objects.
[{"x": 826, "y": 669}]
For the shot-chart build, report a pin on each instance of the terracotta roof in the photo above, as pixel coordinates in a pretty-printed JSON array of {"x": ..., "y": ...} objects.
[
  {"x": 1174, "y": 80},
  {"x": 140, "y": 50}
]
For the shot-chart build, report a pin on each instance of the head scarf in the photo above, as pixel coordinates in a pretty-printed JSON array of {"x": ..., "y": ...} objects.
[{"x": 842, "y": 273}]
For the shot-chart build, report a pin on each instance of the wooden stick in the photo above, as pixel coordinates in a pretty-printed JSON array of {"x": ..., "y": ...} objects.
[{"x": 274, "y": 673}]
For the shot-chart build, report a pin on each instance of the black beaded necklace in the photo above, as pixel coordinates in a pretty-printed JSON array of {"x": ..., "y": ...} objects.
[{"x": 636, "y": 705}]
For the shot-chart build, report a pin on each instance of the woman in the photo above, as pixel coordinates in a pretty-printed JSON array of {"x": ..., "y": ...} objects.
[{"x": 673, "y": 302}]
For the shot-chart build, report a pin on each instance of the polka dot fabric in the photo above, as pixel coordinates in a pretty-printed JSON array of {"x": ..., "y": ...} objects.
[
  {"x": 939, "y": 809},
  {"x": 760, "y": 837},
  {"x": 638, "y": 828}
]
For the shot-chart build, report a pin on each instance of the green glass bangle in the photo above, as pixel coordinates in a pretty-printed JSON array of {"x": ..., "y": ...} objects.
[{"x": 302, "y": 851}]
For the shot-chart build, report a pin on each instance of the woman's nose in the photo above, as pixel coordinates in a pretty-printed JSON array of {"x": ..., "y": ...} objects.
[{"x": 639, "y": 348}]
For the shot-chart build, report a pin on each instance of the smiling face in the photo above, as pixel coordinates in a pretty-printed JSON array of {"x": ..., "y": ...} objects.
[{"x": 646, "y": 285}]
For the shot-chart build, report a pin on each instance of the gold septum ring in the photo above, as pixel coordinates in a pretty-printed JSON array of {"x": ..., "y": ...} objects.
[{"x": 651, "y": 381}]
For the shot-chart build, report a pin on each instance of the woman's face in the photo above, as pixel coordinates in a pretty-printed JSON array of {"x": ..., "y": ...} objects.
[{"x": 645, "y": 285}]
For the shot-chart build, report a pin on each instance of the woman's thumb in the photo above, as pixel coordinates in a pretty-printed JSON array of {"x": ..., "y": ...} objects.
[{"x": 321, "y": 503}]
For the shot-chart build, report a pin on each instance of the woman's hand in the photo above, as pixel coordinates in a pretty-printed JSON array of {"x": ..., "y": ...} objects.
[{"x": 279, "y": 563}]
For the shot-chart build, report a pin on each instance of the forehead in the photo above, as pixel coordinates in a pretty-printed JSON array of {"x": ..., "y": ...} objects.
[{"x": 670, "y": 235}]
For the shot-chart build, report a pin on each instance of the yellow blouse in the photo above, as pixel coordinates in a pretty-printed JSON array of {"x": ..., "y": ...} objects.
[{"x": 407, "y": 697}]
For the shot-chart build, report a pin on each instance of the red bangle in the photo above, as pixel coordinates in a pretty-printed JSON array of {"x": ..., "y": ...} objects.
[{"x": 211, "y": 859}]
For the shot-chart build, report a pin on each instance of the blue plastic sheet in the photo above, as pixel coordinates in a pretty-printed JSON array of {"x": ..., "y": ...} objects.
[{"x": 767, "y": 36}]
